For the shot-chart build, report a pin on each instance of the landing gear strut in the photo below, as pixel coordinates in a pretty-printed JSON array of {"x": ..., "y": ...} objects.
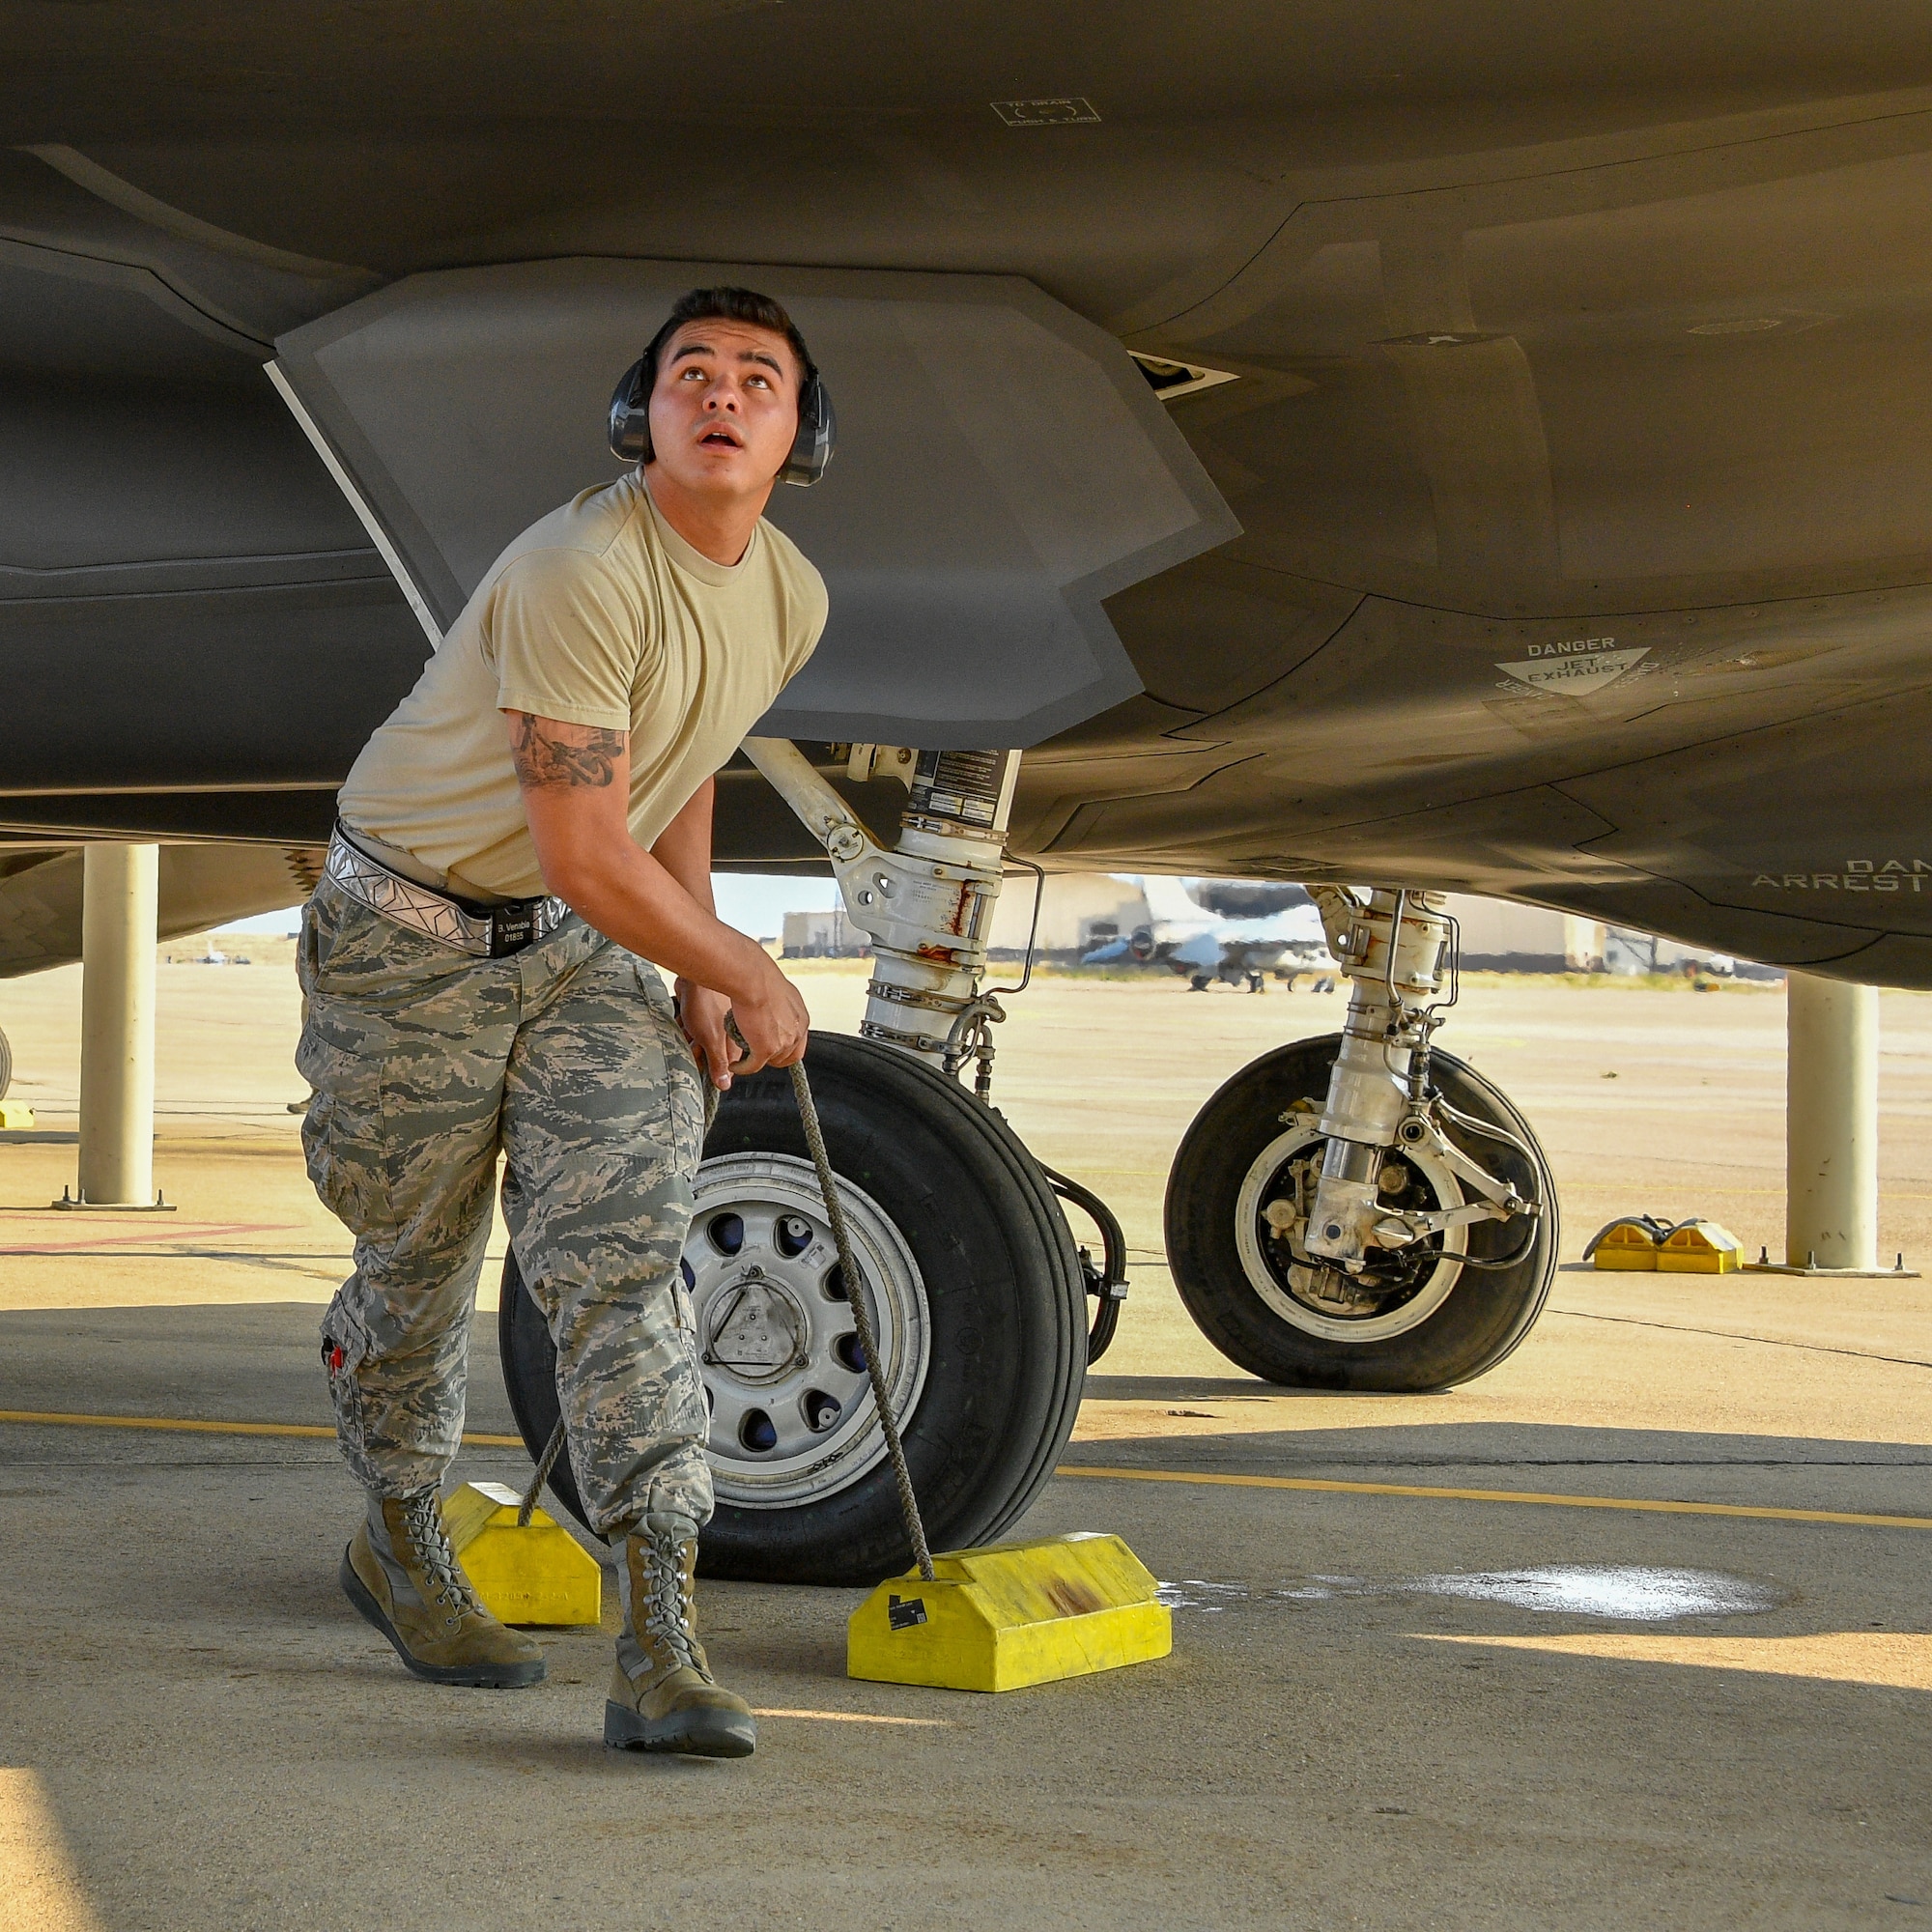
[{"x": 1398, "y": 1234}]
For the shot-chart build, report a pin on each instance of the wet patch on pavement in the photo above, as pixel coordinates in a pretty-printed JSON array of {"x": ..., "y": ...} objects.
[{"x": 1630, "y": 1593}]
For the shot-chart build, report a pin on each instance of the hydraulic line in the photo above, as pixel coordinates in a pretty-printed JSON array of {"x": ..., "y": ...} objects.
[{"x": 1107, "y": 1283}]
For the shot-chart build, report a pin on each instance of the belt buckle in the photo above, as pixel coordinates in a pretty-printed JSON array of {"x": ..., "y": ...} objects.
[{"x": 512, "y": 927}]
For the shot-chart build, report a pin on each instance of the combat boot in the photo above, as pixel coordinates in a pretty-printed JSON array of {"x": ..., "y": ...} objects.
[
  {"x": 662, "y": 1694},
  {"x": 400, "y": 1572}
]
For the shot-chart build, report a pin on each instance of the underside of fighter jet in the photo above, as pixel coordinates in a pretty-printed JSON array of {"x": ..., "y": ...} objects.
[{"x": 1389, "y": 450}]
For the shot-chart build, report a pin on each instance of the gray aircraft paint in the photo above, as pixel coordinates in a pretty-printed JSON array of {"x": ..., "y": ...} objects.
[
  {"x": 1604, "y": 321},
  {"x": 1002, "y": 467}
]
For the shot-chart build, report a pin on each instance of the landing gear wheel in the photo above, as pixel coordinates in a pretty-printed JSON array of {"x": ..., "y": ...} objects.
[
  {"x": 978, "y": 1293},
  {"x": 1420, "y": 1319},
  {"x": 6, "y": 1065}
]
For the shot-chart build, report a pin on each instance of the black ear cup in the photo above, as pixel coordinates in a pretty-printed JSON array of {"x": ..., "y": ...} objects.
[
  {"x": 810, "y": 449},
  {"x": 817, "y": 434},
  {"x": 631, "y": 412}
]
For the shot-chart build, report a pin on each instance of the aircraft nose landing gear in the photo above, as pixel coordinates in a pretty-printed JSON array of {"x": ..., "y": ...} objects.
[{"x": 1398, "y": 1235}]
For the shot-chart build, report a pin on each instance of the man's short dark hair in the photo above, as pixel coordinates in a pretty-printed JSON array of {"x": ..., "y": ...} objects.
[{"x": 730, "y": 304}]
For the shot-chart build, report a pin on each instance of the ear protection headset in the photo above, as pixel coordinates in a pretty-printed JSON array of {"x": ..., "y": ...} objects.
[{"x": 630, "y": 420}]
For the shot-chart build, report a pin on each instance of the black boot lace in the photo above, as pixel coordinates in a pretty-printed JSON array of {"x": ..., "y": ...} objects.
[
  {"x": 668, "y": 1612},
  {"x": 429, "y": 1543}
]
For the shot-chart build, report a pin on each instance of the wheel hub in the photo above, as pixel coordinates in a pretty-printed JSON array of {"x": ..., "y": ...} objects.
[
  {"x": 755, "y": 1331},
  {"x": 792, "y": 1414},
  {"x": 1397, "y": 1291}
]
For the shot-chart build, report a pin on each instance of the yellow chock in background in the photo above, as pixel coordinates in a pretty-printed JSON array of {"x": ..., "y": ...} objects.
[
  {"x": 1013, "y": 1614},
  {"x": 537, "y": 1575},
  {"x": 16, "y": 1117},
  {"x": 1628, "y": 1243},
  {"x": 1700, "y": 1247},
  {"x": 1644, "y": 1241}
]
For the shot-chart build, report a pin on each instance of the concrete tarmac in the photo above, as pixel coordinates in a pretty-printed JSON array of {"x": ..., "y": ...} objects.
[{"x": 1396, "y": 1699}]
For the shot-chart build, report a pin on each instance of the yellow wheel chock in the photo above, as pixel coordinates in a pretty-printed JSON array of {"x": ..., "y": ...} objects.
[
  {"x": 1010, "y": 1615},
  {"x": 538, "y": 1573}
]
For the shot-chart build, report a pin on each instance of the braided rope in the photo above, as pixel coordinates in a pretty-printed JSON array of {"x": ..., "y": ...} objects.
[
  {"x": 859, "y": 1294},
  {"x": 546, "y": 1462}
]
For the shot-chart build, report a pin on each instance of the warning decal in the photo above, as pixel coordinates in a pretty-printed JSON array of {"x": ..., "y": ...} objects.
[{"x": 1574, "y": 676}]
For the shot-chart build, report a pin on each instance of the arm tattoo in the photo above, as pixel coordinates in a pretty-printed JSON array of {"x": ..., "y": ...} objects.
[{"x": 562, "y": 755}]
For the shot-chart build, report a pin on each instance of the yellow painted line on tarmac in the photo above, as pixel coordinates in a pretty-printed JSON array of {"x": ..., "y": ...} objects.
[
  {"x": 183, "y": 1426},
  {"x": 859, "y": 1718},
  {"x": 1318, "y": 1485},
  {"x": 1323, "y": 1486}
]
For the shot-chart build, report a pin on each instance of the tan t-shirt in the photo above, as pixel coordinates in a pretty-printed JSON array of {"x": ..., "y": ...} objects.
[{"x": 599, "y": 614}]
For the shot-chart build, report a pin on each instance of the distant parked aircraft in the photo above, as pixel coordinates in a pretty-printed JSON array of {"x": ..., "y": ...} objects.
[{"x": 1282, "y": 935}]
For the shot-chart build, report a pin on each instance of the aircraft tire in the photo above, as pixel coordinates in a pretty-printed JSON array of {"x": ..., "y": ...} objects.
[
  {"x": 1467, "y": 1331},
  {"x": 6, "y": 1065},
  {"x": 973, "y": 1260}
]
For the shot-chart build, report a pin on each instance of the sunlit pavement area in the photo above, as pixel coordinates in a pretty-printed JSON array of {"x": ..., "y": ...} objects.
[{"x": 1391, "y": 1703}]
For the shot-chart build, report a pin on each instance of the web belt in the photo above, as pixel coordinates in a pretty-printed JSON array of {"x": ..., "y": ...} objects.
[{"x": 485, "y": 932}]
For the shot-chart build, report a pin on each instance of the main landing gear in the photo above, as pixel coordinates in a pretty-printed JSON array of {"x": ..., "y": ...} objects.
[
  {"x": 1361, "y": 1211},
  {"x": 980, "y": 1313},
  {"x": 979, "y": 1293}
]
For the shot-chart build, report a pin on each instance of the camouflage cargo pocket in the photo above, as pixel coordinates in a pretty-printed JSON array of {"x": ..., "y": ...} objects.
[
  {"x": 345, "y": 1346},
  {"x": 345, "y": 1138}
]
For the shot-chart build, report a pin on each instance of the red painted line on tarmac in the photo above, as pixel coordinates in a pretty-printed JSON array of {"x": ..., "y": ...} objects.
[{"x": 195, "y": 1230}]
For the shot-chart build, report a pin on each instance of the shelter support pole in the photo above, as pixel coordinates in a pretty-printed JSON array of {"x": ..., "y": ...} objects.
[
  {"x": 1830, "y": 1123},
  {"x": 116, "y": 1025}
]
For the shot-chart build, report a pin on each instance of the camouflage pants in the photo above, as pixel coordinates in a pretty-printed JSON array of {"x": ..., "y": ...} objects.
[{"x": 568, "y": 1057}]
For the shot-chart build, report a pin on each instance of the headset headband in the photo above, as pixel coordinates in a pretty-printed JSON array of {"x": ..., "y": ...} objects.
[{"x": 631, "y": 419}]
